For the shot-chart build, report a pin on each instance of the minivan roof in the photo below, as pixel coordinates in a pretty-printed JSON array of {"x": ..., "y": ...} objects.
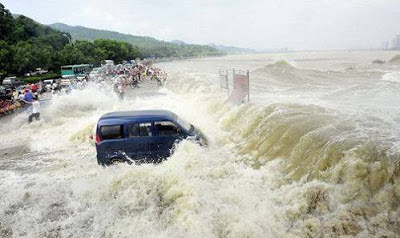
[{"x": 143, "y": 114}]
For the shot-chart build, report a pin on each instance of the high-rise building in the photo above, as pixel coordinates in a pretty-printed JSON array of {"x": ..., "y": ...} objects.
[
  {"x": 385, "y": 45},
  {"x": 397, "y": 42}
]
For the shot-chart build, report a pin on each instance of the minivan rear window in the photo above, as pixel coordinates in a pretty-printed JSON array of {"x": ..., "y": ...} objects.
[{"x": 111, "y": 132}]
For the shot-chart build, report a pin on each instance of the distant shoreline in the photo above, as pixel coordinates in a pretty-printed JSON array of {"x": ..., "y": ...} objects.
[{"x": 170, "y": 59}]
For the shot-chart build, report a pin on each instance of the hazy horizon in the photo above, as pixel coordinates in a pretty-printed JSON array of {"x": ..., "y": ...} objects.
[{"x": 310, "y": 25}]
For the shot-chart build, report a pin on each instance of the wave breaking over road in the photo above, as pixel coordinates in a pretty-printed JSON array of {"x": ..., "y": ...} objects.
[{"x": 316, "y": 153}]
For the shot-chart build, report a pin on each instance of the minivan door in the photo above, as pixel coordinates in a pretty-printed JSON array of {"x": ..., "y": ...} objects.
[
  {"x": 140, "y": 141},
  {"x": 168, "y": 133},
  {"x": 112, "y": 141}
]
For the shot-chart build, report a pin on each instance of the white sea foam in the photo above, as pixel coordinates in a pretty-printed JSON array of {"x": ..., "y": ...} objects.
[{"x": 393, "y": 77}]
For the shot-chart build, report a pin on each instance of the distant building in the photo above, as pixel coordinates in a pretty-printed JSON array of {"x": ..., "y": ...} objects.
[
  {"x": 397, "y": 42},
  {"x": 385, "y": 45}
]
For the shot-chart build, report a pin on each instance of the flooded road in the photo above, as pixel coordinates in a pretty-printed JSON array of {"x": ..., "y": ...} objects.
[{"x": 316, "y": 153}]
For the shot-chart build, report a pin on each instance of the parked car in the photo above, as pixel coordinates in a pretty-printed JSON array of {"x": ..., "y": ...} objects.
[
  {"x": 11, "y": 82},
  {"x": 141, "y": 136},
  {"x": 94, "y": 73},
  {"x": 48, "y": 81},
  {"x": 6, "y": 93},
  {"x": 65, "y": 82},
  {"x": 3, "y": 93},
  {"x": 41, "y": 71}
]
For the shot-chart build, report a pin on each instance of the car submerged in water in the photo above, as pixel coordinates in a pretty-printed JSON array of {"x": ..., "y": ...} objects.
[{"x": 146, "y": 136}]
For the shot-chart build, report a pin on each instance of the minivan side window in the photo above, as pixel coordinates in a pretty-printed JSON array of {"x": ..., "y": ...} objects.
[
  {"x": 111, "y": 132},
  {"x": 167, "y": 128},
  {"x": 140, "y": 129}
]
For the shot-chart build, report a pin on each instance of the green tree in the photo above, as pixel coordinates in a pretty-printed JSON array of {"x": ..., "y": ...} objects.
[
  {"x": 22, "y": 57},
  {"x": 71, "y": 55},
  {"x": 6, "y": 62},
  {"x": 6, "y": 23}
]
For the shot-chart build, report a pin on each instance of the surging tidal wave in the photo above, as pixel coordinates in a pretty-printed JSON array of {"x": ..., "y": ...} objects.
[{"x": 315, "y": 154}]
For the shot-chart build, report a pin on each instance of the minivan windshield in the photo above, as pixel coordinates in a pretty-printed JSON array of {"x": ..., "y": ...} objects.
[{"x": 186, "y": 125}]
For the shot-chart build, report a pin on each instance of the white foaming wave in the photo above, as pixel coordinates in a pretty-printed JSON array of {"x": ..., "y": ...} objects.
[
  {"x": 392, "y": 77},
  {"x": 79, "y": 102},
  {"x": 275, "y": 171}
]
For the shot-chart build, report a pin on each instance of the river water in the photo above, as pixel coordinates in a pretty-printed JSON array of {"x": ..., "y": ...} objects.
[{"x": 315, "y": 153}]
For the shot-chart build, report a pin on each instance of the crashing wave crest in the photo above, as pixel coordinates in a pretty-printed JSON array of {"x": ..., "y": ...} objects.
[{"x": 347, "y": 178}]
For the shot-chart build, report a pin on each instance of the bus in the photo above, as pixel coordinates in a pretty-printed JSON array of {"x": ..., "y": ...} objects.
[{"x": 78, "y": 70}]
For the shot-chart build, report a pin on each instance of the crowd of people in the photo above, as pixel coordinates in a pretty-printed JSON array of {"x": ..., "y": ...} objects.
[
  {"x": 23, "y": 96},
  {"x": 132, "y": 75},
  {"x": 27, "y": 96},
  {"x": 121, "y": 77}
]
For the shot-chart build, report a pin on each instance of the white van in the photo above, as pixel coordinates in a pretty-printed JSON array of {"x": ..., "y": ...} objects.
[
  {"x": 107, "y": 63},
  {"x": 11, "y": 82}
]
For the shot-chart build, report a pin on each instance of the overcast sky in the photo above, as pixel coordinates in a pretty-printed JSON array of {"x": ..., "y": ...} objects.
[{"x": 258, "y": 24}]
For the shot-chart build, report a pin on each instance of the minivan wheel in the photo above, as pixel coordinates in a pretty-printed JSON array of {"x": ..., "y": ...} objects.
[{"x": 117, "y": 161}]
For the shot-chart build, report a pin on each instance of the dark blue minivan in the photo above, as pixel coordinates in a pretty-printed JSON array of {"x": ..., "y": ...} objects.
[{"x": 141, "y": 136}]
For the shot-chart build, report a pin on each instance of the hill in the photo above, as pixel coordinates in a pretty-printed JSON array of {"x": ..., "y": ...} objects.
[{"x": 149, "y": 47}]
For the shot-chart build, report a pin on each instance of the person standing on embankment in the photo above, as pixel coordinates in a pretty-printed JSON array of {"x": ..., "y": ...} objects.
[{"x": 35, "y": 112}]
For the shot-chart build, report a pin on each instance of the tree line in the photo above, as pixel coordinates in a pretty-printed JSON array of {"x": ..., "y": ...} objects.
[
  {"x": 149, "y": 47},
  {"x": 26, "y": 45}
]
